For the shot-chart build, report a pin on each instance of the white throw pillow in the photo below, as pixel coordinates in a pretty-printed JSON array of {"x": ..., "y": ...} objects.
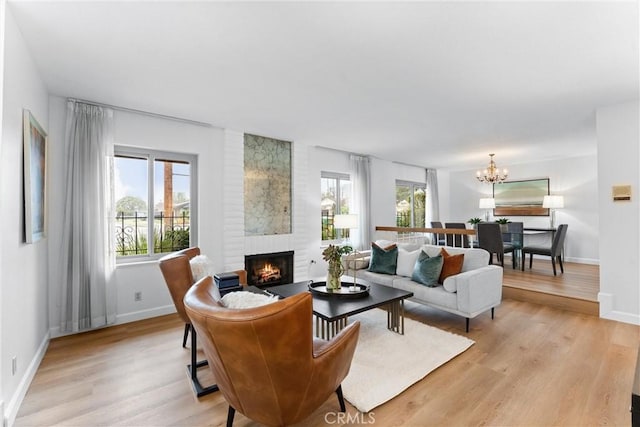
[
  {"x": 406, "y": 262},
  {"x": 201, "y": 266},
  {"x": 244, "y": 299}
]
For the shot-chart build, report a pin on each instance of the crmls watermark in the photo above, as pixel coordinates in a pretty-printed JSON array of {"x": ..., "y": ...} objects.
[{"x": 345, "y": 418}]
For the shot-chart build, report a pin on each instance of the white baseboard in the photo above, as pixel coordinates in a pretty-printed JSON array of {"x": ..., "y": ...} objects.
[
  {"x": 16, "y": 400},
  {"x": 607, "y": 312},
  {"x": 145, "y": 314},
  {"x": 620, "y": 316},
  {"x": 125, "y": 318},
  {"x": 591, "y": 261}
]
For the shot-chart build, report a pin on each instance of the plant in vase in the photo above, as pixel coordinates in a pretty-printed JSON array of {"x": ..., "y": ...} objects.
[
  {"x": 333, "y": 255},
  {"x": 474, "y": 222},
  {"x": 503, "y": 224}
]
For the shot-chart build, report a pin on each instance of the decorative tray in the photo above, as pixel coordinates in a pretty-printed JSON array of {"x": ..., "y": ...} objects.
[{"x": 346, "y": 291}]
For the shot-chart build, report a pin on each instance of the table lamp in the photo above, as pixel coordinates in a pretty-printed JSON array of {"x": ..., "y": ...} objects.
[
  {"x": 487, "y": 203},
  {"x": 347, "y": 222},
  {"x": 553, "y": 203}
]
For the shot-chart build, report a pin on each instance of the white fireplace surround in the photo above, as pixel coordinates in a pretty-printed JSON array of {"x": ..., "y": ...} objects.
[{"x": 236, "y": 244}]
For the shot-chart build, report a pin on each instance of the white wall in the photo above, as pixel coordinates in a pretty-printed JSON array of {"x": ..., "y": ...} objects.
[
  {"x": 139, "y": 130},
  {"x": 23, "y": 267},
  {"x": 574, "y": 178},
  {"x": 618, "y": 161}
]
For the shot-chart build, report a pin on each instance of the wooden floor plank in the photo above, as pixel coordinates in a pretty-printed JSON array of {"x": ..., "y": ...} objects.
[{"x": 531, "y": 365}]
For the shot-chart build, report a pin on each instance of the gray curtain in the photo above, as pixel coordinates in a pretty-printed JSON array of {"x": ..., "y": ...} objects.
[
  {"x": 361, "y": 200},
  {"x": 433, "y": 205},
  {"x": 87, "y": 256}
]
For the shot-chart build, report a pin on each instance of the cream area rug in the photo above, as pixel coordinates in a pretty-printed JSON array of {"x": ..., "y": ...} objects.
[{"x": 386, "y": 363}]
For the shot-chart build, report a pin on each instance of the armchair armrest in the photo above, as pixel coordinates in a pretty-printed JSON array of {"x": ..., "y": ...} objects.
[{"x": 333, "y": 358}]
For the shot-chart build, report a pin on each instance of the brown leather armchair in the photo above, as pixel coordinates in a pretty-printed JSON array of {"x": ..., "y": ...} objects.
[
  {"x": 265, "y": 359},
  {"x": 176, "y": 270}
]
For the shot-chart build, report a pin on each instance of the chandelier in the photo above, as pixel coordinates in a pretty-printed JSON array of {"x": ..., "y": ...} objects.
[{"x": 491, "y": 174}]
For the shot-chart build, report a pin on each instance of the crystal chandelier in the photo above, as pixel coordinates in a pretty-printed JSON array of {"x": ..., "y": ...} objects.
[{"x": 492, "y": 175}]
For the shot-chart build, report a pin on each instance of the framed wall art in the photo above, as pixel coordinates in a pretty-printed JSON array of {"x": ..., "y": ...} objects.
[
  {"x": 521, "y": 198},
  {"x": 267, "y": 186},
  {"x": 35, "y": 178}
]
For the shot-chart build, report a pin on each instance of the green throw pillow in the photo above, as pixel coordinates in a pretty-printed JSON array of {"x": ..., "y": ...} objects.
[
  {"x": 383, "y": 260},
  {"x": 427, "y": 269}
]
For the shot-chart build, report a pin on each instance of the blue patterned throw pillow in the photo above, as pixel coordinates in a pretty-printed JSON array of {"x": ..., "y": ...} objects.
[
  {"x": 427, "y": 269},
  {"x": 383, "y": 260}
]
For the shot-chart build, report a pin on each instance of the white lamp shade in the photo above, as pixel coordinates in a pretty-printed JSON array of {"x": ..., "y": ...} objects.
[
  {"x": 345, "y": 221},
  {"x": 487, "y": 203},
  {"x": 553, "y": 202}
]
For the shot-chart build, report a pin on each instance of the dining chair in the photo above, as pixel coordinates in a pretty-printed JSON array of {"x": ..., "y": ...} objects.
[
  {"x": 554, "y": 251},
  {"x": 458, "y": 240},
  {"x": 490, "y": 239},
  {"x": 439, "y": 239},
  {"x": 268, "y": 365}
]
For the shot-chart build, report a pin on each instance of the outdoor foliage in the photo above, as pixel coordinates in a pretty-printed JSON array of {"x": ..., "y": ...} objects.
[{"x": 130, "y": 204}]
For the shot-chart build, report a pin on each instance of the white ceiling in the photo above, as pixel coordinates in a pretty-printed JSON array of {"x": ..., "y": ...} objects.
[{"x": 436, "y": 84}]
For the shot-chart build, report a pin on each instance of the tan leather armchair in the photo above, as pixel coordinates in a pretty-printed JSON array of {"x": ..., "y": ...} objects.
[
  {"x": 177, "y": 274},
  {"x": 265, "y": 359},
  {"x": 176, "y": 270}
]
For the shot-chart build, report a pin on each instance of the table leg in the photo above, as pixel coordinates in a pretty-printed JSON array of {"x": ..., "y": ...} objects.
[
  {"x": 326, "y": 329},
  {"x": 395, "y": 316}
]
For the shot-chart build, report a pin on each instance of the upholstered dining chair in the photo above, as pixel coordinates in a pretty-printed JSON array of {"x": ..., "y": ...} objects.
[
  {"x": 490, "y": 239},
  {"x": 554, "y": 251},
  {"x": 176, "y": 269},
  {"x": 440, "y": 239},
  {"x": 458, "y": 240}
]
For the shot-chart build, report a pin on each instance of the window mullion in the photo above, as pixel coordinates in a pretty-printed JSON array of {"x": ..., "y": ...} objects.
[{"x": 150, "y": 208}]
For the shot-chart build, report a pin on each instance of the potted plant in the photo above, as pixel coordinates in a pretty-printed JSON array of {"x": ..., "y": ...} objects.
[
  {"x": 474, "y": 222},
  {"x": 503, "y": 224},
  {"x": 333, "y": 255}
]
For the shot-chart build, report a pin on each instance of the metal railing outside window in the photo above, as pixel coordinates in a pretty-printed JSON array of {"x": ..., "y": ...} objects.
[{"x": 170, "y": 233}]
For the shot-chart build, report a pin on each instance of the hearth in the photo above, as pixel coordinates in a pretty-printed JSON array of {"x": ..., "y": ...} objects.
[{"x": 269, "y": 269}]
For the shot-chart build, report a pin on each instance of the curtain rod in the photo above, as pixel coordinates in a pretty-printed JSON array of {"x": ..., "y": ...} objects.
[{"x": 144, "y": 113}]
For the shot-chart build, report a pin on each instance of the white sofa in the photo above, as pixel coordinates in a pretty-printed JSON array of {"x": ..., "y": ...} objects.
[{"x": 476, "y": 289}]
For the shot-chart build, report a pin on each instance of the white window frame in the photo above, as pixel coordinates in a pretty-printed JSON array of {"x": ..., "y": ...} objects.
[
  {"x": 152, "y": 155},
  {"x": 339, "y": 177},
  {"x": 412, "y": 189}
]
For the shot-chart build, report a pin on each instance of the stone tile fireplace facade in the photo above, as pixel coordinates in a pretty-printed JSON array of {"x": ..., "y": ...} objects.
[{"x": 269, "y": 269}]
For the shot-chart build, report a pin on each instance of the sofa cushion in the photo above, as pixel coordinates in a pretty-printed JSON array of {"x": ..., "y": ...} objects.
[
  {"x": 383, "y": 260},
  {"x": 377, "y": 278},
  {"x": 427, "y": 269},
  {"x": 452, "y": 265},
  {"x": 473, "y": 257},
  {"x": 406, "y": 261}
]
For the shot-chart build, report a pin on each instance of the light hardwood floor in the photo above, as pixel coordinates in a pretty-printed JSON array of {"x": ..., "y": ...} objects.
[{"x": 532, "y": 365}]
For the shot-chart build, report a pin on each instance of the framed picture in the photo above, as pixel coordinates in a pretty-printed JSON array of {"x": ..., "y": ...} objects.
[
  {"x": 35, "y": 178},
  {"x": 521, "y": 198}
]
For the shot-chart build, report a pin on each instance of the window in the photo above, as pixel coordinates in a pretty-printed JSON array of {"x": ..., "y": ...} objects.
[
  {"x": 336, "y": 197},
  {"x": 154, "y": 196},
  {"x": 410, "y": 204}
]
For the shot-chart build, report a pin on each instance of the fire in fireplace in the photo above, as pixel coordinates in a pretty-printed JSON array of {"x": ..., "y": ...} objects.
[{"x": 269, "y": 269}]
